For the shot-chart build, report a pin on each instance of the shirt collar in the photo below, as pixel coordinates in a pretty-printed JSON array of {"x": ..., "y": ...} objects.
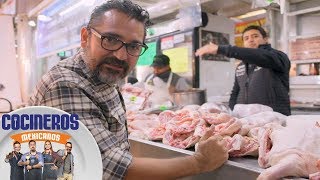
[
  {"x": 165, "y": 75},
  {"x": 265, "y": 46}
]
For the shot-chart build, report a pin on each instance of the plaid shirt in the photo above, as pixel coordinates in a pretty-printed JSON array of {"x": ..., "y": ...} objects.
[{"x": 72, "y": 87}]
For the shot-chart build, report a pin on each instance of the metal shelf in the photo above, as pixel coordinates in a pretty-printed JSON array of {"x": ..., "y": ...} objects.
[
  {"x": 304, "y": 86},
  {"x": 304, "y": 11},
  {"x": 307, "y": 61},
  {"x": 304, "y": 36}
]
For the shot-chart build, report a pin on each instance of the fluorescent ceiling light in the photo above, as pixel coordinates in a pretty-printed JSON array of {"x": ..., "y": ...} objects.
[
  {"x": 250, "y": 14},
  {"x": 75, "y": 6},
  {"x": 32, "y": 23},
  {"x": 44, "y": 18},
  {"x": 71, "y": 8}
]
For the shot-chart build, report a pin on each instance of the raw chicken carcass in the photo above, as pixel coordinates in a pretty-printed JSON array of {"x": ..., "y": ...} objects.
[
  {"x": 131, "y": 116},
  {"x": 290, "y": 162},
  {"x": 229, "y": 128},
  {"x": 166, "y": 116},
  {"x": 180, "y": 125},
  {"x": 201, "y": 128},
  {"x": 142, "y": 125},
  {"x": 242, "y": 146},
  {"x": 184, "y": 139},
  {"x": 261, "y": 119},
  {"x": 139, "y": 125},
  {"x": 214, "y": 108},
  {"x": 156, "y": 133},
  {"x": 316, "y": 176},
  {"x": 138, "y": 134},
  {"x": 216, "y": 118},
  {"x": 290, "y": 151},
  {"x": 181, "y": 141},
  {"x": 187, "y": 113},
  {"x": 192, "y": 107},
  {"x": 254, "y": 132},
  {"x": 135, "y": 98},
  {"x": 244, "y": 110}
]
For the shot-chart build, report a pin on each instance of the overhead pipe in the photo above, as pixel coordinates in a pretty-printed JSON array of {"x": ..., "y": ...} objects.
[{"x": 166, "y": 7}]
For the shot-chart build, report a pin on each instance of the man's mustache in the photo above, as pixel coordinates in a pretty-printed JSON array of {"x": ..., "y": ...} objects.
[{"x": 115, "y": 62}]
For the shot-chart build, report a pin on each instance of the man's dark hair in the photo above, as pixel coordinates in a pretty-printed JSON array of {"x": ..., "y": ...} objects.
[
  {"x": 259, "y": 28},
  {"x": 125, "y": 6},
  {"x": 32, "y": 141},
  {"x": 16, "y": 142},
  {"x": 69, "y": 143}
]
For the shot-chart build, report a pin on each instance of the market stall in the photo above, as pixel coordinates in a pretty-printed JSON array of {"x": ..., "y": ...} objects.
[{"x": 173, "y": 128}]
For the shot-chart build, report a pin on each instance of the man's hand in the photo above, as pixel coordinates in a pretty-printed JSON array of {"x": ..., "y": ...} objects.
[
  {"x": 210, "y": 48},
  {"x": 211, "y": 153},
  {"x": 64, "y": 155},
  {"x": 7, "y": 159},
  {"x": 54, "y": 168},
  {"x": 29, "y": 167},
  {"x": 8, "y": 156}
]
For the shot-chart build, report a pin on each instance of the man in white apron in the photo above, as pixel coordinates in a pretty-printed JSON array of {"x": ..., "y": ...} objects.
[{"x": 162, "y": 70}]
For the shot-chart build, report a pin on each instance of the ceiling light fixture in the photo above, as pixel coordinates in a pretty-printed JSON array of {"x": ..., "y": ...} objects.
[
  {"x": 32, "y": 23},
  {"x": 251, "y": 14}
]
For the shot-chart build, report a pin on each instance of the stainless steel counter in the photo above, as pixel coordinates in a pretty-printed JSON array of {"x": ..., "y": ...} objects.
[
  {"x": 236, "y": 168},
  {"x": 305, "y": 110}
]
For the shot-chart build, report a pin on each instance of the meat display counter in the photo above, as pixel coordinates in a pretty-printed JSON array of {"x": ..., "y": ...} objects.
[
  {"x": 305, "y": 110},
  {"x": 235, "y": 168}
]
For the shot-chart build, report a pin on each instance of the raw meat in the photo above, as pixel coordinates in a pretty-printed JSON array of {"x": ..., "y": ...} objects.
[
  {"x": 242, "y": 146},
  {"x": 261, "y": 119},
  {"x": 290, "y": 151},
  {"x": 192, "y": 107},
  {"x": 214, "y": 108},
  {"x": 216, "y": 118},
  {"x": 243, "y": 110}
]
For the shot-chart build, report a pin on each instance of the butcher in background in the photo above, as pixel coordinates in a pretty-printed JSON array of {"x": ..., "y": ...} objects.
[
  {"x": 263, "y": 75},
  {"x": 161, "y": 69}
]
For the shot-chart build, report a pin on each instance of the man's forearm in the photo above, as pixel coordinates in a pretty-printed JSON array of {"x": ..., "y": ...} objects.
[
  {"x": 21, "y": 163},
  {"x": 258, "y": 56},
  {"x": 148, "y": 168},
  {"x": 37, "y": 166}
]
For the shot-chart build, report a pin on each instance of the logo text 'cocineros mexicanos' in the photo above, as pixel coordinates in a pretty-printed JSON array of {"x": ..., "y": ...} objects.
[{"x": 40, "y": 122}]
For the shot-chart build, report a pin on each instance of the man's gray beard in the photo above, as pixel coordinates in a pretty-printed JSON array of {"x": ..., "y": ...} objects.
[{"x": 109, "y": 77}]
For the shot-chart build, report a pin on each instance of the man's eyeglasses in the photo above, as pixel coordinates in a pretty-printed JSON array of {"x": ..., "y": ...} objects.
[{"x": 112, "y": 43}]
